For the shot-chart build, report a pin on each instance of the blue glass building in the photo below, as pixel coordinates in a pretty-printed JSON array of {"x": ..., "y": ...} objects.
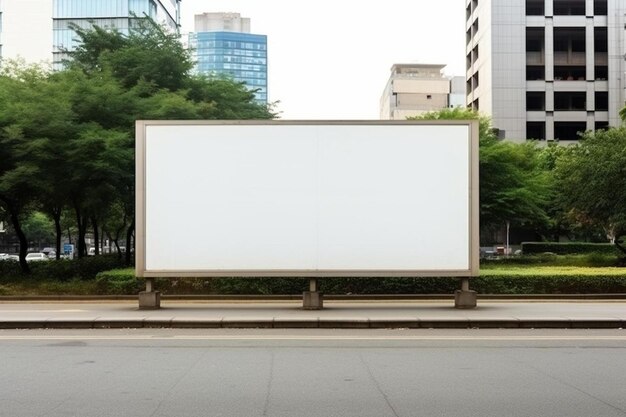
[
  {"x": 113, "y": 14},
  {"x": 240, "y": 55}
]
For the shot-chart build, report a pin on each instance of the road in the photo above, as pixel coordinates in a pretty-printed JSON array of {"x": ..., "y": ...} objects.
[{"x": 377, "y": 373}]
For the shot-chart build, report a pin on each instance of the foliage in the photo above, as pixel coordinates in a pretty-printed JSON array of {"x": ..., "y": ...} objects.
[
  {"x": 591, "y": 181},
  {"x": 502, "y": 279},
  {"x": 63, "y": 270},
  {"x": 568, "y": 248},
  {"x": 38, "y": 227}
]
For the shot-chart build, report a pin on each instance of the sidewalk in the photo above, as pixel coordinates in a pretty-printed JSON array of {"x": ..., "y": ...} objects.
[{"x": 336, "y": 314}]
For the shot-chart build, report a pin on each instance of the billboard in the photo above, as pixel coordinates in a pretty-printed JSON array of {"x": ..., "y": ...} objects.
[{"x": 307, "y": 198}]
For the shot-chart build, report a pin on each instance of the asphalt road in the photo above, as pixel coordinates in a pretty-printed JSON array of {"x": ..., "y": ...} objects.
[{"x": 377, "y": 373}]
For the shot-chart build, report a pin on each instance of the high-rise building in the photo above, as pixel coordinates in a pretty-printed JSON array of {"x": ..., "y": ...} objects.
[
  {"x": 111, "y": 14},
  {"x": 546, "y": 69},
  {"x": 414, "y": 89},
  {"x": 222, "y": 44},
  {"x": 52, "y": 19}
]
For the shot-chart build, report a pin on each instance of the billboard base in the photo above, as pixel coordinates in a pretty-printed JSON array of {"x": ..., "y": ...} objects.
[
  {"x": 312, "y": 300},
  {"x": 464, "y": 298}
]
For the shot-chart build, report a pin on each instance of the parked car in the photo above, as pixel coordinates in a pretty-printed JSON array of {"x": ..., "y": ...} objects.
[
  {"x": 36, "y": 257},
  {"x": 51, "y": 253},
  {"x": 4, "y": 256}
]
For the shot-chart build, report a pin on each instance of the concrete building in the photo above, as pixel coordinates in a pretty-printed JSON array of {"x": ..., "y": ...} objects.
[
  {"x": 546, "y": 69},
  {"x": 39, "y": 30},
  {"x": 222, "y": 44},
  {"x": 414, "y": 89}
]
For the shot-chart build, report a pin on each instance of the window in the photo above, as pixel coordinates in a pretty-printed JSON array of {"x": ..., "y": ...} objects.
[
  {"x": 599, "y": 8},
  {"x": 535, "y": 73},
  {"x": 601, "y": 125},
  {"x": 536, "y": 130},
  {"x": 569, "y": 130},
  {"x": 569, "y": 7},
  {"x": 535, "y": 7},
  {"x": 602, "y": 101},
  {"x": 535, "y": 101},
  {"x": 570, "y": 101}
]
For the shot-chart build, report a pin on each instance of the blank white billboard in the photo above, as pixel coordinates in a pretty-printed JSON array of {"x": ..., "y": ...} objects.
[{"x": 306, "y": 199}]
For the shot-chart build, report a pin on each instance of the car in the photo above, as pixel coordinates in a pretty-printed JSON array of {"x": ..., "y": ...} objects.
[
  {"x": 50, "y": 253},
  {"x": 4, "y": 256},
  {"x": 36, "y": 257}
]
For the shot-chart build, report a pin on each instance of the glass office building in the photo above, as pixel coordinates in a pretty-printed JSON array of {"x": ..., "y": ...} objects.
[
  {"x": 240, "y": 55},
  {"x": 113, "y": 14}
]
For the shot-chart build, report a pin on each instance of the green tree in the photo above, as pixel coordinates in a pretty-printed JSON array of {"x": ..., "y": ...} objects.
[
  {"x": 28, "y": 115},
  {"x": 591, "y": 181}
]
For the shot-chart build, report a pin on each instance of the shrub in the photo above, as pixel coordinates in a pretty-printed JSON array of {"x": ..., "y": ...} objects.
[
  {"x": 62, "y": 270},
  {"x": 529, "y": 248},
  {"x": 118, "y": 282}
]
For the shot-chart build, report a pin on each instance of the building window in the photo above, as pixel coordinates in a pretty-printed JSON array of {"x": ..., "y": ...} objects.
[
  {"x": 601, "y": 125},
  {"x": 569, "y": 7},
  {"x": 602, "y": 72},
  {"x": 602, "y": 100},
  {"x": 599, "y": 8},
  {"x": 534, "y": 73},
  {"x": 569, "y": 130},
  {"x": 570, "y": 101},
  {"x": 569, "y": 54},
  {"x": 535, "y": 100},
  {"x": 535, "y": 7},
  {"x": 536, "y": 130}
]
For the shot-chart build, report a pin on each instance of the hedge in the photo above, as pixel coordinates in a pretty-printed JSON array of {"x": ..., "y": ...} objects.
[
  {"x": 62, "y": 270},
  {"x": 536, "y": 280},
  {"x": 529, "y": 248}
]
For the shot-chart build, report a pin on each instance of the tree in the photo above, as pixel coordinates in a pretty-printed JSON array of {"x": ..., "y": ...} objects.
[
  {"x": 514, "y": 185},
  {"x": 591, "y": 181},
  {"x": 28, "y": 115}
]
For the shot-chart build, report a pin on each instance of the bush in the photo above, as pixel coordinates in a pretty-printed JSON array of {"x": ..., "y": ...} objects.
[
  {"x": 589, "y": 260},
  {"x": 505, "y": 280},
  {"x": 62, "y": 270},
  {"x": 530, "y": 248},
  {"x": 118, "y": 282}
]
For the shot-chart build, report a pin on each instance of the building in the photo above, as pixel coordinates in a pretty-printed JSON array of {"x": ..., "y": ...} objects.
[
  {"x": 414, "y": 89},
  {"x": 222, "y": 44},
  {"x": 52, "y": 20},
  {"x": 112, "y": 14},
  {"x": 546, "y": 69}
]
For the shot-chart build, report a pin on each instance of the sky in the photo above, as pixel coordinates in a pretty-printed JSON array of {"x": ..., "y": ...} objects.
[{"x": 331, "y": 59}]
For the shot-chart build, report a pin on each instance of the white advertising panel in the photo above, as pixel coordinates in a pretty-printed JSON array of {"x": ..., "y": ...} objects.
[{"x": 307, "y": 199}]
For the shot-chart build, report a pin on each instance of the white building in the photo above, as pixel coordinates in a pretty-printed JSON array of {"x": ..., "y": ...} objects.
[
  {"x": 414, "y": 89},
  {"x": 546, "y": 69}
]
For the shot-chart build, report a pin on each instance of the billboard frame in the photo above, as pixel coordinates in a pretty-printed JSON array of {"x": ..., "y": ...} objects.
[{"x": 140, "y": 198}]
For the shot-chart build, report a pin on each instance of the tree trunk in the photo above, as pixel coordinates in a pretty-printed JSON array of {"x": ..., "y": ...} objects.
[
  {"x": 96, "y": 236},
  {"x": 15, "y": 221},
  {"x": 56, "y": 215},
  {"x": 619, "y": 242},
  {"x": 129, "y": 236},
  {"x": 81, "y": 247}
]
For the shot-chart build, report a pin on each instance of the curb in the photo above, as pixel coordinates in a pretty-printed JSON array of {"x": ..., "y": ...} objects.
[
  {"x": 281, "y": 323},
  {"x": 328, "y": 297}
]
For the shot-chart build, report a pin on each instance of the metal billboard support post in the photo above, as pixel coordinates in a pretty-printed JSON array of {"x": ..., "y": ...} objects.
[
  {"x": 464, "y": 298},
  {"x": 149, "y": 299},
  {"x": 313, "y": 299}
]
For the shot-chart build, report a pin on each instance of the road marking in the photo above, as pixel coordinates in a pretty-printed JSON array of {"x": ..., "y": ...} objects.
[{"x": 316, "y": 337}]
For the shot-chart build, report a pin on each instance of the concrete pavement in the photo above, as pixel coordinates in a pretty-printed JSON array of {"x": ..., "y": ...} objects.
[{"x": 336, "y": 314}]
